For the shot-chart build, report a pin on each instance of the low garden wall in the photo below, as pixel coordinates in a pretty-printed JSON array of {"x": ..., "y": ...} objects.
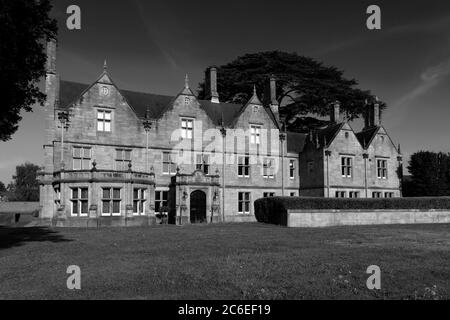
[{"x": 326, "y": 212}]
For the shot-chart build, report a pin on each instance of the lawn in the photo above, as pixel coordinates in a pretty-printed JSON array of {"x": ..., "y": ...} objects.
[{"x": 226, "y": 261}]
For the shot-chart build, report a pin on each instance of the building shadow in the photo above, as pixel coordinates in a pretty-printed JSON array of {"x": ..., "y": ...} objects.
[{"x": 13, "y": 237}]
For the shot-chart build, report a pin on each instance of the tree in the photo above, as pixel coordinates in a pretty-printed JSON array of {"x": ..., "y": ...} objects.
[
  {"x": 2, "y": 187},
  {"x": 25, "y": 28},
  {"x": 305, "y": 87},
  {"x": 430, "y": 174},
  {"x": 25, "y": 186}
]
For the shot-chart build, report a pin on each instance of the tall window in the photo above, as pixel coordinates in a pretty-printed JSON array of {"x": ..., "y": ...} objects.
[
  {"x": 244, "y": 202},
  {"x": 243, "y": 166},
  {"x": 104, "y": 120},
  {"x": 202, "y": 163},
  {"x": 79, "y": 201},
  {"x": 341, "y": 194},
  {"x": 139, "y": 201},
  {"x": 268, "y": 194},
  {"x": 291, "y": 169},
  {"x": 377, "y": 194},
  {"x": 186, "y": 128},
  {"x": 347, "y": 167},
  {"x": 161, "y": 198},
  {"x": 81, "y": 158},
  {"x": 255, "y": 134},
  {"x": 168, "y": 163},
  {"x": 111, "y": 199},
  {"x": 268, "y": 168},
  {"x": 382, "y": 169},
  {"x": 123, "y": 158}
]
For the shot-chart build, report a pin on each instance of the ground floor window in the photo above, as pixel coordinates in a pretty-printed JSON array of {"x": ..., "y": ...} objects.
[
  {"x": 341, "y": 194},
  {"x": 244, "y": 202},
  {"x": 376, "y": 194},
  {"x": 268, "y": 194},
  {"x": 161, "y": 199},
  {"x": 354, "y": 194},
  {"x": 111, "y": 200},
  {"x": 79, "y": 201},
  {"x": 292, "y": 194},
  {"x": 388, "y": 194},
  {"x": 139, "y": 201}
]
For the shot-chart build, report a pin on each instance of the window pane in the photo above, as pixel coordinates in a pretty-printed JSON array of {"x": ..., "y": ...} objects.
[
  {"x": 116, "y": 206},
  {"x": 84, "y": 193},
  {"x": 108, "y": 126},
  {"x": 75, "y": 193},
  {"x": 99, "y": 125},
  {"x": 87, "y": 153},
  {"x": 135, "y": 206},
  {"x": 77, "y": 152},
  {"x": 105, "y": 207},
  {"x": 157, "y": 195},
  {"x": 84, "y": 206},
  {"x": 247, "y": 207},
  {"x": 143, "y": 193},
  {"x": 75, "y": 207},
  {"x": 86, "y": 164},
  {"x": 127, "y": 155},
  {"x": 116, "y": 193},
  {"x": 165, "y": 167},
  {"x": 107, "y": 115},
  {"x": 165, "y": 195},
  {"x": 106, "y": 193},
  {"x": 100, "y": 115},
  {"x": 240, "y": 196},
  {"x": 136, "y": 194},
  {"x": 76, "y": 164},
  {"x": 240, "y": 206}
]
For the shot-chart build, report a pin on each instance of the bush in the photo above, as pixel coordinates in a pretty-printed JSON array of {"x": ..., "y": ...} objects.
[{"x": 274, "y": 210}]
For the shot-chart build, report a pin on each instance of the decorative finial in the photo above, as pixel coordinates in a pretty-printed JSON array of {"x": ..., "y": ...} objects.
[
  {"x": 186, "y": 81},
  {"x": 376, "y": 99},
  {"x": 399, "y": 149},
  {"x": 147, "y": 113},
  {"x": 105, "y": 66},
  {"x": 254, "y": 90}
]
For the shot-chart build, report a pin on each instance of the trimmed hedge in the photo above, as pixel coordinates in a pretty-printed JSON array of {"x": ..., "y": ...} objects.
[{"x": 274, "y": 209}]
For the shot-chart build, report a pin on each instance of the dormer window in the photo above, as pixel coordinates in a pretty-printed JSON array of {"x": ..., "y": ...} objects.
[
  {"x": 186, "y": 128},
  {"x": 104, "y": 120},
  {"x": 255, "y": 109},
  {"x": 255, "y": 134}
]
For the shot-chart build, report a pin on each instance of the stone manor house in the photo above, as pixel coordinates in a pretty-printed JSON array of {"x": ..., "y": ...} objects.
[{"x": 119, "y": 158}]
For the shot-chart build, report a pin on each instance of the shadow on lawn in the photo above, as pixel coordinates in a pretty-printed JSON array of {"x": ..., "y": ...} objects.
[{"x": 12, "y": 237}]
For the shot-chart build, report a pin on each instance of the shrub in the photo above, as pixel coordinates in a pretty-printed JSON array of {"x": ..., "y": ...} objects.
[{"x": 274, "y": 210}]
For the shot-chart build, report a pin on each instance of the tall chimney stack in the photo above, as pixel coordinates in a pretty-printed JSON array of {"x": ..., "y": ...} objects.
[
  {"x": 373, "y": 114},
  {"x": 211, "y": 85},
  {"x": 335, "y": 111},
  {"x": 51, "y": 56},
  {"x": 273, "y": 98}
]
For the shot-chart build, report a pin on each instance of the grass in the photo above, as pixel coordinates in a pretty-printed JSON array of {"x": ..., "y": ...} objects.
[{"x": 226, "y": 261}]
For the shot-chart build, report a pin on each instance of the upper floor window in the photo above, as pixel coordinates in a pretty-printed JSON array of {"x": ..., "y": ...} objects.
[
  {"x": 255, "y": 134},
  {"x": 347, "y": 166},
  {"x": 243, "y": 166},
  {"x": 81, "y": 158},
  {"x": 187, "y": 100},
  {"x": 104, "y": 120},
  {"x": 202, "y": 163},
  {"x": 291, "y": 169},
  {"x": 79, "y": 201},
  {"x": 123, "y": 158},
  {"x": 186, "y": 128},
  {"x": 268, "y": 168},
  {"x": 169, "y": 165},
  {"x": 382, "y": 169}
]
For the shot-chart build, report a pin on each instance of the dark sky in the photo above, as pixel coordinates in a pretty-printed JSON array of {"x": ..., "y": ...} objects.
[{"x": 151, "y": 45}]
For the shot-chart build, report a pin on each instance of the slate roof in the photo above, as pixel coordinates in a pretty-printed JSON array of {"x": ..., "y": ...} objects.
[{"x": 156, "y": 103}]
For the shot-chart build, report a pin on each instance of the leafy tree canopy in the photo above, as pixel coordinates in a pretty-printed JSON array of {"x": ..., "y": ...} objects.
[
  {"x": 25, "y": 28},
  {"x": 25, "y": 186},
  {"x": 305, "y": 87},
  {"x": 430, "y": 174},
  {"x": 2, "y": 187}
]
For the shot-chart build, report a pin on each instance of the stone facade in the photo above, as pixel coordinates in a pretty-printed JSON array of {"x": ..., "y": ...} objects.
[{"x": 119, "y": 158}]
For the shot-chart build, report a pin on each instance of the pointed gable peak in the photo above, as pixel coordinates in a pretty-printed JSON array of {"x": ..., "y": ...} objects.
[
  {"x": 186, "y": 90},
  {"x": 254, "y": 99}
]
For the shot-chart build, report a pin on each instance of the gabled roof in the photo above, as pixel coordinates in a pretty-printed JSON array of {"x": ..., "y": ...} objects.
[
  {"x": 327, "y": 134},
  {"x": 366, "y": 136},
  {"x": 295, "y": 141}
]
